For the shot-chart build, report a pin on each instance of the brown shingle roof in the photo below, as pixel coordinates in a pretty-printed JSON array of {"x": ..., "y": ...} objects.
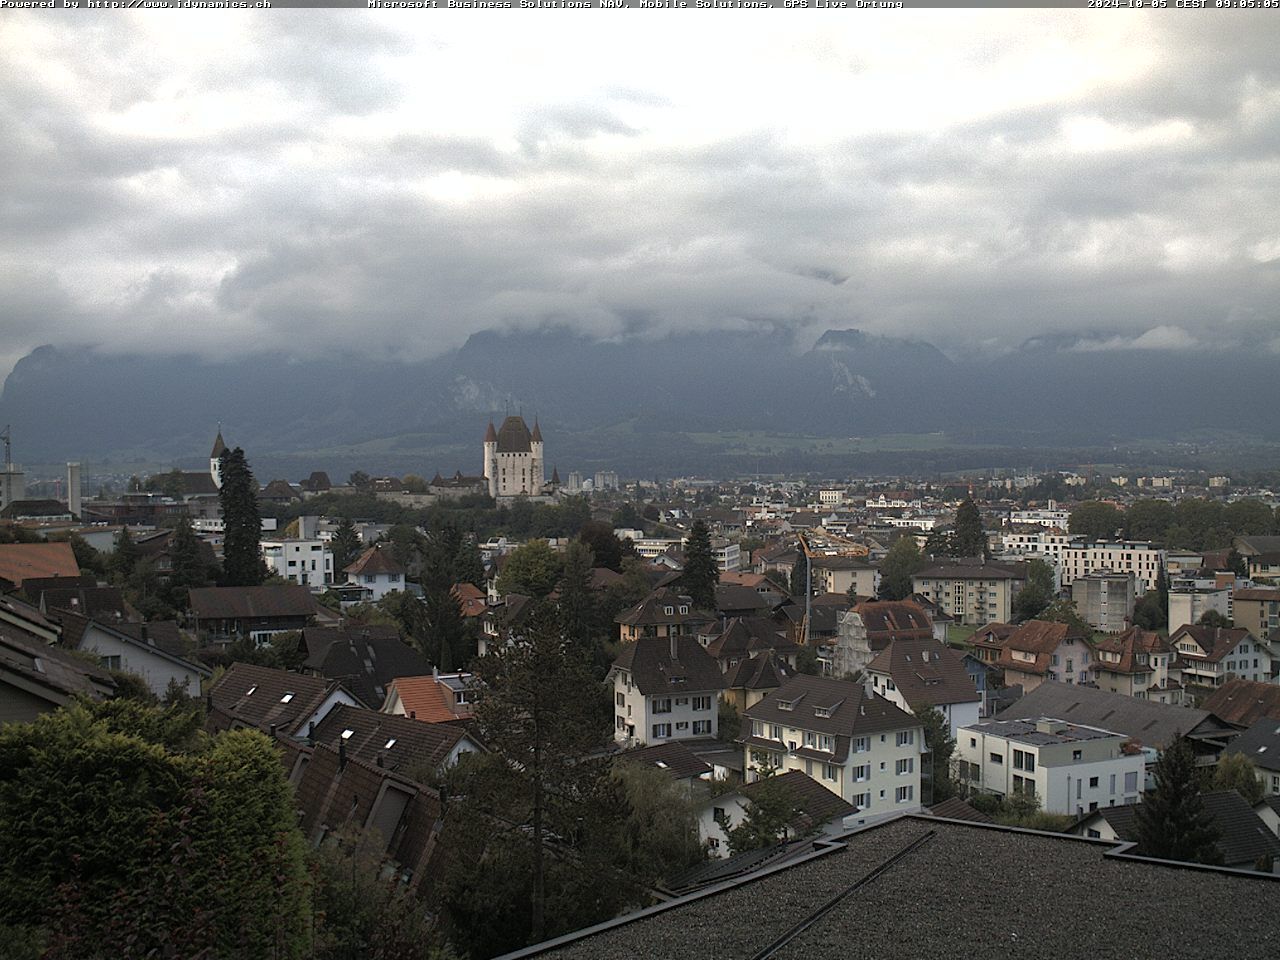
[
  {"x": 1040, "y": 637},
  {"x": 373, "y": 561},
  {"x": 652, "y": 610},
  {"x": 812, "y": 803},
  {"x": 1243, "y": 702},
  {"x": 825, "y": 705},
  {"x": 1127, "y": 646},
  {"x": 655, "y": 672},
  {"x": 257, "y": 696},
  {"x": 401, "y": 743},
  {"x": 18, "y": 561},
  {"x": 672, "y": 758},
  {"x": 926, "y": 671},
  {"x": 514, "y": 437},
  {"x": 1217, "y": 642},
  {"x": 239, "y": 603},
  {"x": 888, "y": 620}
]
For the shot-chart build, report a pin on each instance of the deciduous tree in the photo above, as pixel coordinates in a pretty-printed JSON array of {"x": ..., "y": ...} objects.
[
  {"x": 1235, "y": 771},
  {"x": 1095, "y": 520},
  {"x": 900, "y": 564},
  {"x": 532, "y": 569}
]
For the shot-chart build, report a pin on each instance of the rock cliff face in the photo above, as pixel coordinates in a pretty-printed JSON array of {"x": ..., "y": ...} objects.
[{"x": 636, "y": 395}]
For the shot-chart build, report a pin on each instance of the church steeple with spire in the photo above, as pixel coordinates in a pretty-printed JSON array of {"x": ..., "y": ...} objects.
[{"x": 215, "y": 458}]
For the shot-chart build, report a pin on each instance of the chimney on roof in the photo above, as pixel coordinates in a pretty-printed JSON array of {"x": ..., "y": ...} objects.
[
  {"x": 413, "y": 714},
  {"x": 435, "y": 672},
  {"x": 675, "y": 645},
  {"x": 144, "y": 633},
  {"x": 342, "y": 754},
  {"x": 311, "y": 734},
  {"x": 273, "y": 731},
  {"x": 378, "y": 758}
]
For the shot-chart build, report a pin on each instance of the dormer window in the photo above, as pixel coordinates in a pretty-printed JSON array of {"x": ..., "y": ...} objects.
[
  {"x": 668, "y": 610},
  {"x": 684, "y": 609},
  {"x": 785, "y": 705},
  {"x": 822, "y": 711}
]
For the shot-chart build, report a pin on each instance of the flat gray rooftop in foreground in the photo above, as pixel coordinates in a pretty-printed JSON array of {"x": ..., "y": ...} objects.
[{"x": 969, "y": 891}]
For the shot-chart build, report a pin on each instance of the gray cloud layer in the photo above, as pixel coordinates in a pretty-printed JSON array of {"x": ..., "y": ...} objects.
[{"x": 311, "y": 181}]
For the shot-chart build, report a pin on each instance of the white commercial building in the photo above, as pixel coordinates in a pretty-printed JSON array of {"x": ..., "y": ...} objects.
[{"x": 304, "y": 562}]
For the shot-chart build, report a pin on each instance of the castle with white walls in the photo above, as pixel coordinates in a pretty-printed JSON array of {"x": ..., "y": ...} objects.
[{"x": 513, "y": 462}]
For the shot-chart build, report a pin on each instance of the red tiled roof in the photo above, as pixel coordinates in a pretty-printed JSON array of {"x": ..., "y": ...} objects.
[
  {"x": 1217, "y": 642},
  {"x": 1040, "y": 637},
  {"x": 1243, "y": 702},
  {"x": 425, "y": 698},
  {"x": 1128, "y": 645}
]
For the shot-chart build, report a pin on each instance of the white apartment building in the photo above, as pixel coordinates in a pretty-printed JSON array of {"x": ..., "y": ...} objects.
[
  {"x": 1052, "y": 518},
  {"x": 728, "y": 555},
  {"x": 1038, "y": 544},
  {"x": 831, "y": 498},
  {"x": 1072, "y": 769},
  {"x": 304, "y": 562},
  {"x": 1189, "y": 604},
  {"x": 856, "y": 744},
  {"x": 665, "y": 688},
  {"x": 1123, "y": 556}
]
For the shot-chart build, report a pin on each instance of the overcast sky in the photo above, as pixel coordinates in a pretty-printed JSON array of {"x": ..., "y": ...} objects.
[{"x": 389, "y": 183}]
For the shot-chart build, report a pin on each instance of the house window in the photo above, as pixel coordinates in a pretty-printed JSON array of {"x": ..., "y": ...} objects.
[
  {"x": 701, "y": 703},
  {"x": 904, "y": 794},
  {"x": 661, "y": 704},
  {"x": 719, "y": 816},
  {"x": 682, "y": 724},
  {"x": 861, "y": 800},
  {"x": 1093, "y": 783},
  {"x": 394, "y": 577},
  {"x": 826, "y": 743},
  {"x": 1077, "y": 754},
  {"x": 905, "y": 765},
  {"x": 861, "y": 773},
  {"x": 701, "y": 727},
  {"x": 111, "y": 662},
  {"x": 620, "y": 699},
  {"x": 906, "y": 737},
  {"x": 861, "y": 745},
  {"x": 1093, "y": 834},
  {"x": 370, "y": 578},
  {"x": 997, "y": 758},
  {"x": 661, "y": 730},
  {"x": 829, "y": 771}
]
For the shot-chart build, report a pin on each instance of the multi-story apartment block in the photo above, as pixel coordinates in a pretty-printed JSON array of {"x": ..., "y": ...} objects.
[
  {"x": 1039, "y": 543},
  {"x": 1257, "y": 610},
  {"x": 1124, "y": 556},
  {"x": 1187, "y": 604},
  {"x": 1209, "y": 656},
  {"x": 1261, "y": 556},
  {"x": 1071, "y": 769},
  {"x": 1105, "y": 599},
  {"x": 1052, "y": 518},
  {"x": 665, "y": 688},
  {"x": 858, "y": 745},
  {"x": 971, "y": 592},
  {"x": 1134, "y": 557}
]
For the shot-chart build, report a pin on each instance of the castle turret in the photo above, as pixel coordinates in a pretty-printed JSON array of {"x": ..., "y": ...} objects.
[
  {"x": 537, "y": 473},
  {"x": 491, "y": 459}
]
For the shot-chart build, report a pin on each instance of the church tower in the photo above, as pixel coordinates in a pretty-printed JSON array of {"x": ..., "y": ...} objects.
[
  {"x": 215, "y": 459},
  {"x": 537, "y": 473}
]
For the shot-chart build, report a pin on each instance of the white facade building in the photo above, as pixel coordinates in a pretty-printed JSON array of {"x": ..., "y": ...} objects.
[
  {"x": 304, "y": 562},
  {"x": 513, "y": 459},
  {"x": 1128, "y": 556},
  {"x": 665, "y": 688},
  {"x": 1072, "y": 769}
]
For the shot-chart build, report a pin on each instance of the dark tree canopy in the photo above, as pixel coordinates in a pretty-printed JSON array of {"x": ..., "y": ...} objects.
[
  {"x": 701, "y": 573},
  {"x": 968, "y": 539},
  {"x": 345, "y": 546},
  {"x": 1095, "y": 520},
  {"x": 241, "y": 553},
  {"x": 896, "y": 570},
  {"x": 1172, "y": 821}
]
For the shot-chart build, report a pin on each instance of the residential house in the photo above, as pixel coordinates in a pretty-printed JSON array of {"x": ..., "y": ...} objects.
[
  {"x": 1268, "y": 810},
  {"x": 158, "y": 655},
  {"x": 1069, "y": 767},
  {"x": 273, "y": 701},
  {"x": 1209, "y": 656},
  {"x": 19, "y": 561},
  {"x": 734, "y": 600},
  {"x": 1105, "y": 599},
  {"x": 1261, "y": 557},
  {"x": 752, "y": 680},
  {"x": 36, "y": 678},
  {"x": 858, "y": 745},
  {"x": 1257, "y": 610},
  {"x": 1148, "y": 723},
  {"x": 1041, "y": 650},
  {"x": 888, "y": 620},
  {"x": 1138, "y": 663},
  {"x": 365, "y": 658},
  {"x": 433, "y": 698},
  {"x": 334, "y": 791},
  {"x": 843, "y": 574},
  {"x": 663, "y": 613},
  {"x": 814, "y": 809},
  {"x": 917, "y": 673},
  {"x": 227, "y": 614},
  {"x": 1260, "y": 744},
  {"x": 307, "y": 562},
  {"x": 1243, "y": 837},
  {"x": 675, "y": 761},
  {"x": 421, "y": 751},
  {"x": 665, "y": 688},
  {"x": 735, "y": 641},
  {"x": 377, "y": 571},
  {"x": 1242, "y": 703},
  {"x": 987, "y": 642},
  {"x": 971, "y": 591}
]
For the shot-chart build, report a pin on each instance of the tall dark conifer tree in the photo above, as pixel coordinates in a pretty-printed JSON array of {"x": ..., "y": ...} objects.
[
  {"x": 968, "y": 539},
  {"x": 1172, "y": 821},
  {"x": 241, "y": 553},
  {"x": 701, "y": 574}
]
